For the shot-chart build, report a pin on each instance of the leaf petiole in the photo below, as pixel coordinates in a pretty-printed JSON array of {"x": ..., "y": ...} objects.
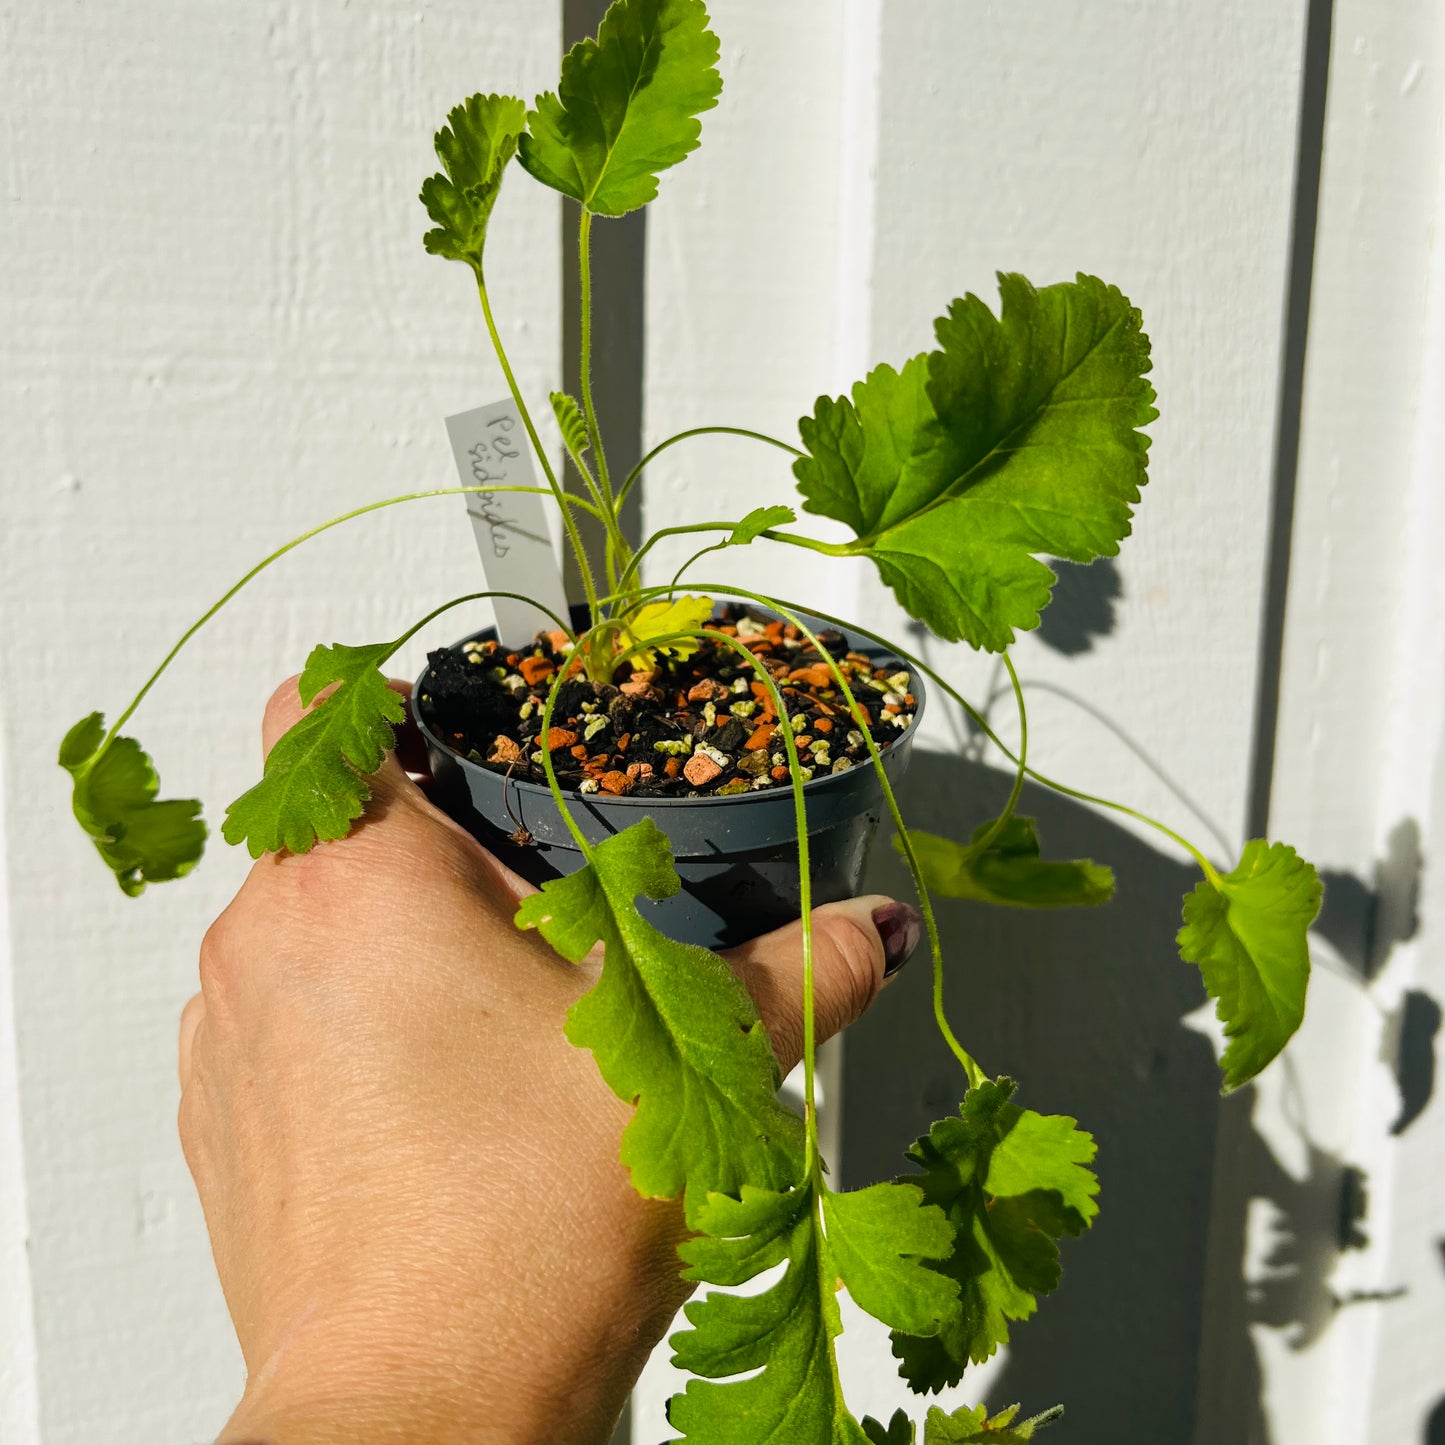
[
  {"x": 290, "y": 546},
  {"x": 699, "y": 431},
  {"x": 574, "y": 537}
]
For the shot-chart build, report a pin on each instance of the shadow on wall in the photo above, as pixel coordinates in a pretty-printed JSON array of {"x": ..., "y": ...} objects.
[
  {"x": 1085, "y": 1009},
  {"x": 1081, "y": 606}
]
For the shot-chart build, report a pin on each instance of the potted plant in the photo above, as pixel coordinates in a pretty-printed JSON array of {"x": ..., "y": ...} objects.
[{"x": 673, "y": 767}]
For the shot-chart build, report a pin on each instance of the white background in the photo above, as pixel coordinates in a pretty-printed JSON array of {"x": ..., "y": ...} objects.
[{"x": 219, "y": 328}]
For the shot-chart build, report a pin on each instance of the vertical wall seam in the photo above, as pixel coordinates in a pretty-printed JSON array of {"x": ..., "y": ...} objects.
[{"x": 1309, "y": 158}]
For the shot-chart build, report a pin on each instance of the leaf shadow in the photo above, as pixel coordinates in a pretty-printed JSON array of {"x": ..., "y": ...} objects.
[
  {"x": 1081, "y": 607},
  {"x": 1086, "y": 1008}
]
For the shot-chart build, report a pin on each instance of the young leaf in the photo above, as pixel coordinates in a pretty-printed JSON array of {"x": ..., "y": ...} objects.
[
  {"x": 475, "y": 149},
  {"x": 113, "y": 795},
  {"x": 876, "y": 1237},
  {"x": 875, "y": 1242},
  {"x": 972, "y": 1427},
  {"x": 1249, "y": 937},
  {"x": 312, "y": 786},
  {"x": 658, "y": 619},
  {"x": 1009, "y": 870},
  {"x": 1013, "y": 1182},
  {"x": 898, "y": 1431},
  {"x": 626, "y": 106},
  {"x": 758, "y": 521},
  {"x": 671, "y": 1028},
  {"x": 572, "y": 422},
  {"x": 1017, "y": 437}
]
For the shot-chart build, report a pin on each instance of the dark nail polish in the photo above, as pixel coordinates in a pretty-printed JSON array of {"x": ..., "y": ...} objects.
[{"x": 900, "y": 926}]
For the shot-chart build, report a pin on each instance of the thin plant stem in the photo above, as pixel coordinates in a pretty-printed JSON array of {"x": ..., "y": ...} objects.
[
  {"x": 290, "y": 546},
  {"x": 970, "y": 1067},
  {"x": 574, "y": 537},
  {"x": 699, "y": 431},
  {"x": 1001, "y": 822},
  {"x": 618, "y": 553}
]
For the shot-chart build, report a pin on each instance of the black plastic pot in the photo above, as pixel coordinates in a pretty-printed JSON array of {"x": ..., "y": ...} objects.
[{"x": 737, "y": 856}]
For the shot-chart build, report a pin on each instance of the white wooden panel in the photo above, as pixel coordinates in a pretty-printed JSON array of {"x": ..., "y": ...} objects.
[
  {"x": 220, "y": 327},
  {"x": 1358, "y": 778}
]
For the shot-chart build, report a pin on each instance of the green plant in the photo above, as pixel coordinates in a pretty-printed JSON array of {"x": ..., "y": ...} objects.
[{"x": 1017, "y": 436}]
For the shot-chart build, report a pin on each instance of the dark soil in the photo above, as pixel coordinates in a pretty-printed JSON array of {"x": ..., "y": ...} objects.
[{"x": 696, "y": 726}]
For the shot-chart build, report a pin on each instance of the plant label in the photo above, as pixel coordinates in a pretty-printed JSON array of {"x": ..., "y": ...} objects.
[{"x": 490, "y": 445}]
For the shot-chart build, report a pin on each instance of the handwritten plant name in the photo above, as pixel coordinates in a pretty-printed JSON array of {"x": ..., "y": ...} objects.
[{"x": 489, "y": 464}]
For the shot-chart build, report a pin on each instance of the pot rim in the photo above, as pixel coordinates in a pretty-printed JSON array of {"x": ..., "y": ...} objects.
[{"x": 613, "y": 800}]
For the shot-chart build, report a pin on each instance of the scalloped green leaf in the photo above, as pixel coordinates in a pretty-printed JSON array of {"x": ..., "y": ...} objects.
[
  {"x": 876, "y": 1242},
  {"x": 1013, "y": 1182},
  {"x": 758, "y": 521},
  {"x": 474, "y": 147},
  {"x": 627, "y": 105},
  {"x": 1250, "y": 939},
  {"x": 671, "y": 1028},
  {"x": 1018, "y": 437},
  {"x": 140, "y": 838},
  {"x": 1009, "y": 870},
  {"x": 973, "y": 1426},
  {"x": 313, "y": 786}
]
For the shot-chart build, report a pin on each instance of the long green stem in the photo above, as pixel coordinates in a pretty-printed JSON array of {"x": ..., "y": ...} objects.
[
  {"x": 972, "y": 1071},
  {"x": 1001, "y": 822},
  {"x": 636, "y": 562},
  {"x": 290, "y": 546},
  {"x": 574, "y": 537},
  {"x": 618, "y": 553},
  {"x": 700, "y": 431}
]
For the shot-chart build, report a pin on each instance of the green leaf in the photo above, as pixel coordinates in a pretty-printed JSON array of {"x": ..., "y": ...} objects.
[
  {"x": 1017, "y": 437},
  {"x": 671, "y": 1028},
  {"x": 1010, "y": 870},
  {"x": 1249, "y": 937},
  {"x": 758, "y": 521},
  {"x": 970, "y": 1426},
  {"x": 572, "y": 422},
  {"x": 1012, "y": 1182},
  {"x": 626, "y": 106},
  {"x": 877, "y": 1238},
  {"x": 873, "y": 1241},
  {"x": 312, "y": 786},
  {"x": 898, "y": 1431},
  {"x": 658, "y": 619},
  {"x": 113, "y": 796},
  {"x": 474, "y": 148}
]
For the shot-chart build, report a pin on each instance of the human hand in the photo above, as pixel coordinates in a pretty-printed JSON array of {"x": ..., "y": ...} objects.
[{"x": 409, "y": 1176}]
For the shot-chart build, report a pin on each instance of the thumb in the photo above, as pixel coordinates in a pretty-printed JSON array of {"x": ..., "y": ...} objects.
[{"x": 858, "y": 945}]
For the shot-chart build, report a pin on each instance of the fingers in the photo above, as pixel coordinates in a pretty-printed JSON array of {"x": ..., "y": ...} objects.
[
  {"x": 857, "y": 946},
  {"x": 191, "y": 1016}
]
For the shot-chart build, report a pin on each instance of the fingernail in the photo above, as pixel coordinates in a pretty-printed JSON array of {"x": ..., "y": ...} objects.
[{"x": 900, "y": 926}]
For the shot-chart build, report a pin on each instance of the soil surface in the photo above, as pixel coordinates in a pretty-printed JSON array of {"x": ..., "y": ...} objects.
[{"x": 693, "y": 727}]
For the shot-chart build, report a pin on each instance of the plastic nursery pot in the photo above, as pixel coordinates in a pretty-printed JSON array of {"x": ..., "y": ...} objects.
[{"x": 737, "y": 856}]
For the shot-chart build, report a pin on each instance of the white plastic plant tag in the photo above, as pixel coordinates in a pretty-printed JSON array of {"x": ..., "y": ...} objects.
[{"x": 490, "y": 445}]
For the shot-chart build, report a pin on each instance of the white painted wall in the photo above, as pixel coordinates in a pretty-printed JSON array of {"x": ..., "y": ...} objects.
[{"x": 219, "y": 327}]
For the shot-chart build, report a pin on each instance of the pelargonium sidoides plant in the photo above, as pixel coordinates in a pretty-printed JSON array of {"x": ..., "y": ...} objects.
[{"x": 1018, "y": 436}]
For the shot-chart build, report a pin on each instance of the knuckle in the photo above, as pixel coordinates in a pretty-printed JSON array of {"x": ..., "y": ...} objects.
[
  {"x": 218, "y": 961},
  {"x": 283, "y": 707}
]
